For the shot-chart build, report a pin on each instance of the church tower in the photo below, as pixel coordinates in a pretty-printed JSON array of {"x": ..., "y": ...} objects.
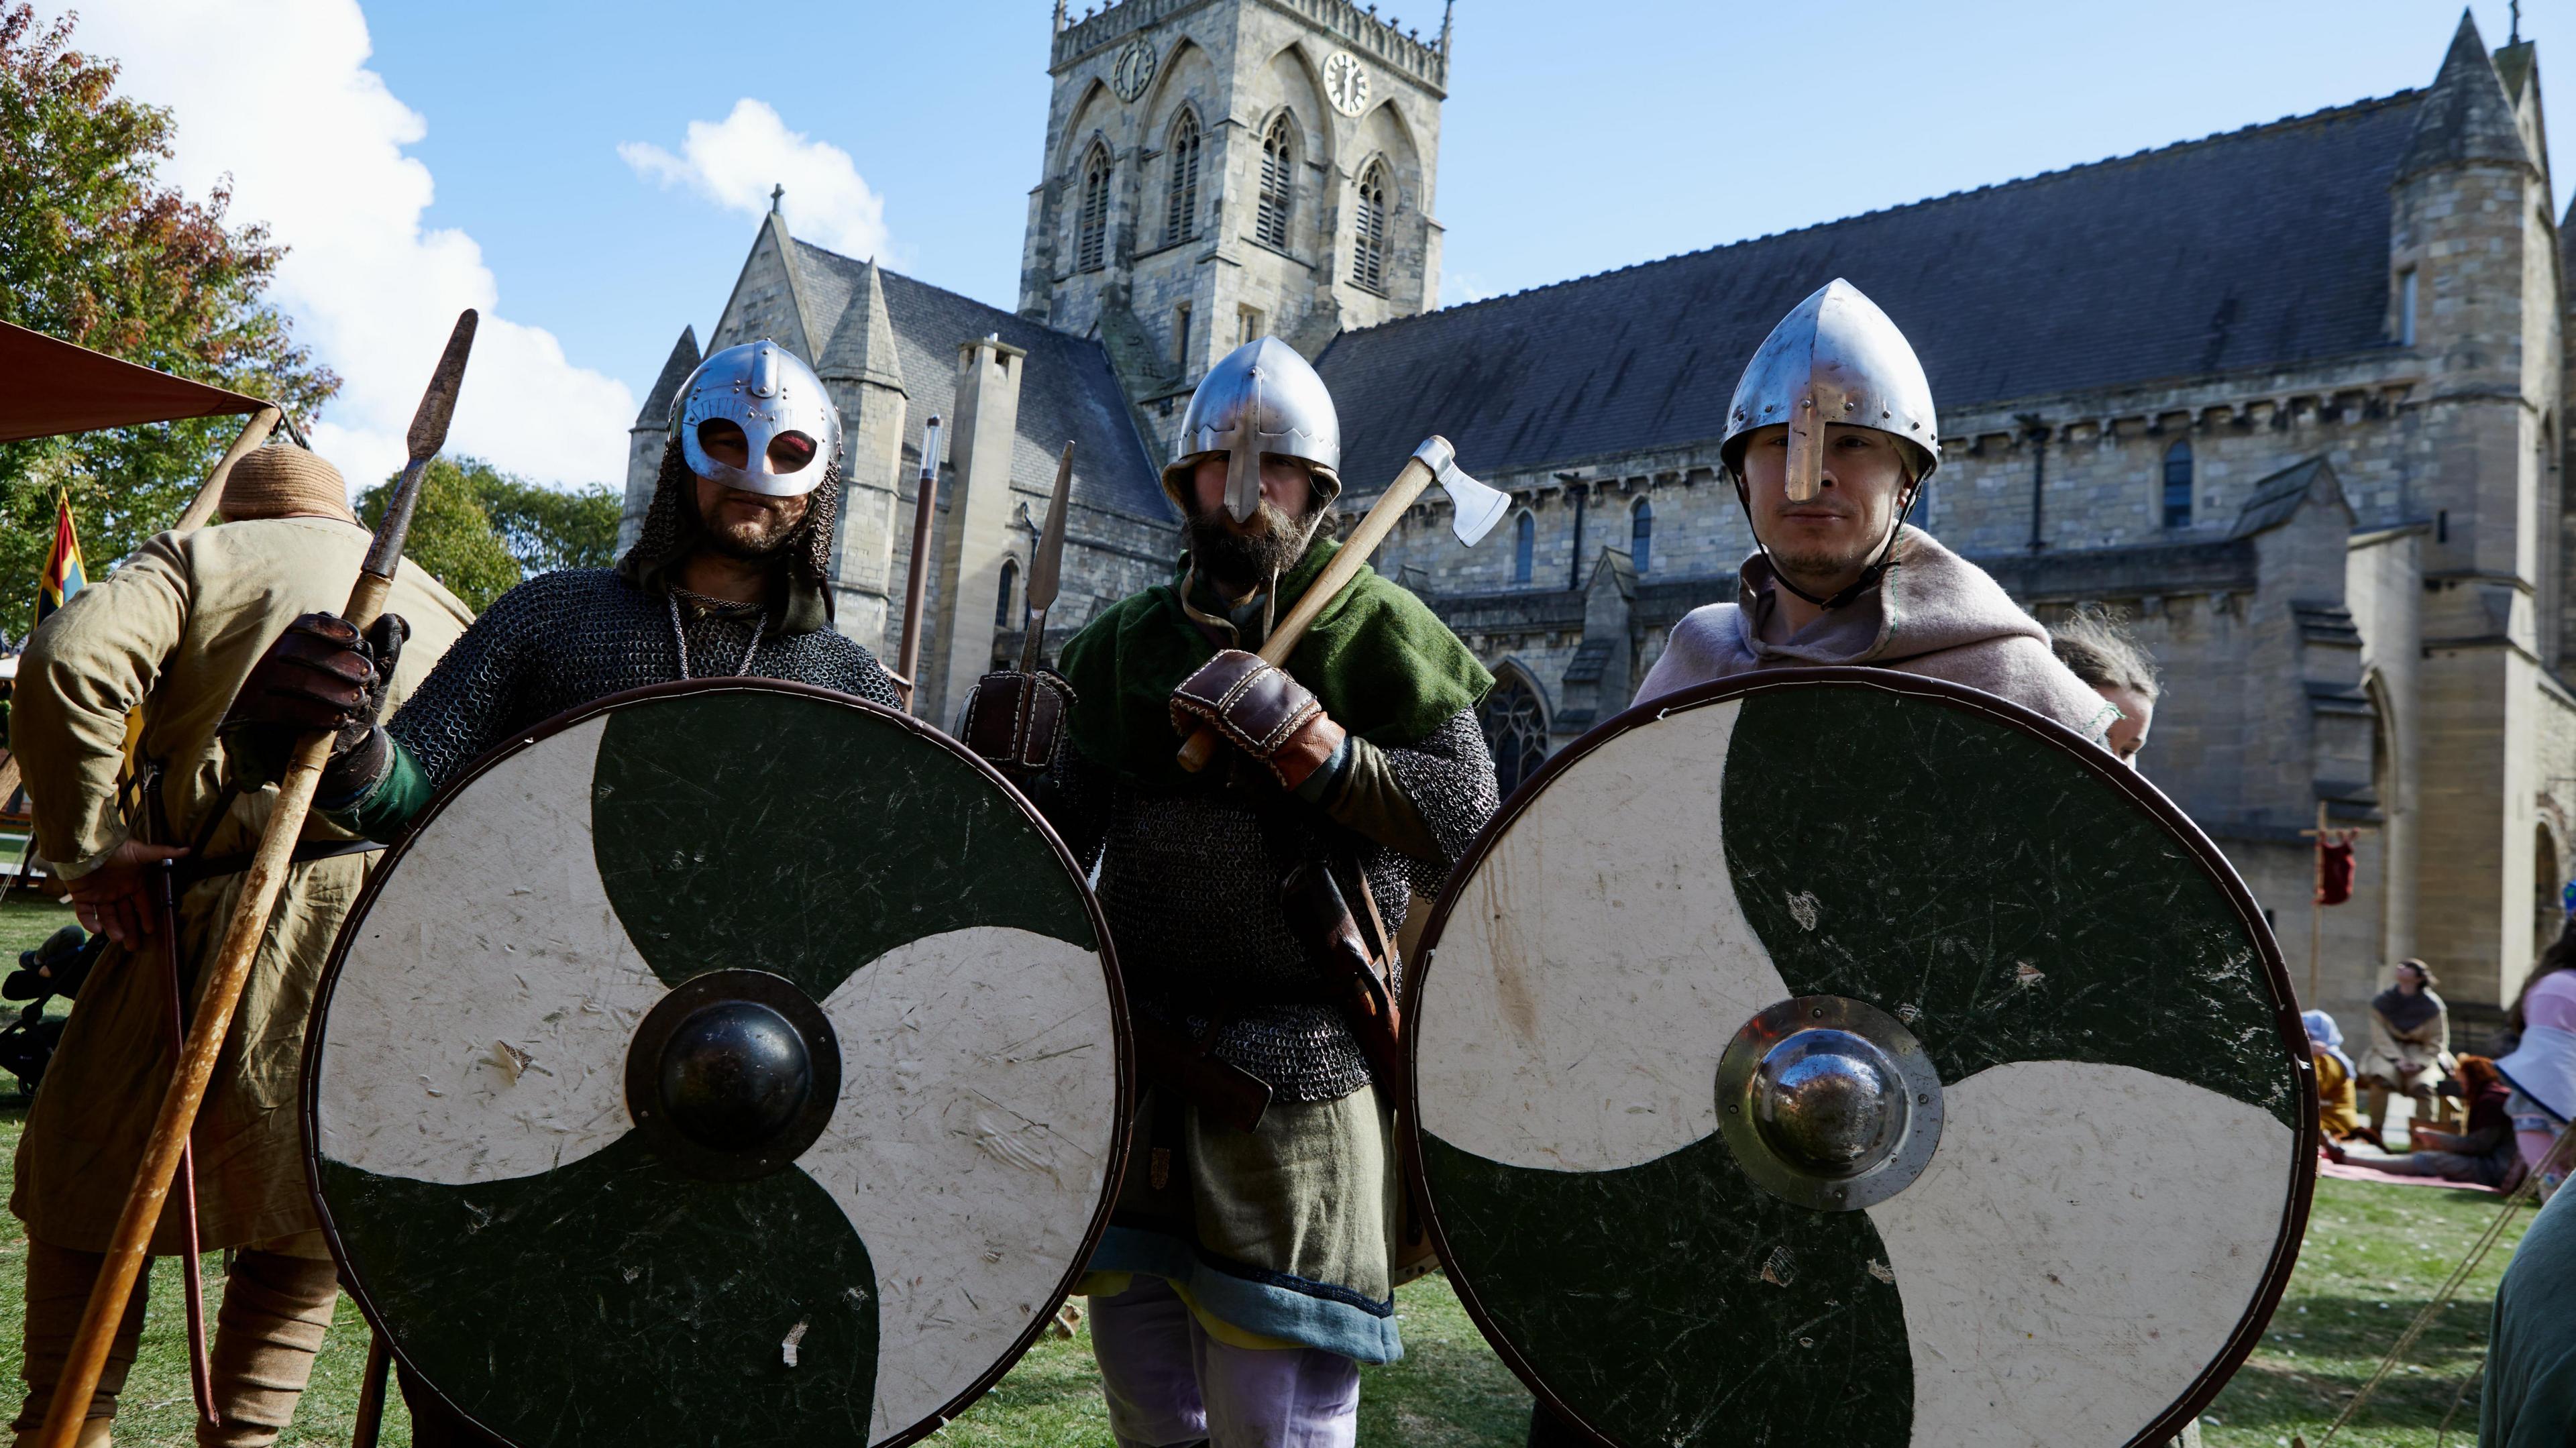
[{"x": 1219, "y": 170}]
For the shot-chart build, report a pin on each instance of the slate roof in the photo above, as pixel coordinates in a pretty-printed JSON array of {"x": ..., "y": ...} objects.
[
  {"x": 2275, "y": 498},
  {"x": 1066, "y": 387},
  {"x": 2261, "y": 247}
]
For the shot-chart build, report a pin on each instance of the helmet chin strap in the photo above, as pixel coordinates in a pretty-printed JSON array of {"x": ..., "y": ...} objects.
[{"x": 1868, "y": 576}]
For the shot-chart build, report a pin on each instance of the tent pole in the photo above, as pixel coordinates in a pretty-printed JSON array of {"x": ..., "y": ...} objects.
[{"x": 253, "y": 433}]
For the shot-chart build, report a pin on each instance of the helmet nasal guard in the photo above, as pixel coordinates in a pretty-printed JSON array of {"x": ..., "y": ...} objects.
[
  {"x": 770, "y": 394},
  {"x": 1261, "y": 398},
  {"x": 1836, "y": 358}
]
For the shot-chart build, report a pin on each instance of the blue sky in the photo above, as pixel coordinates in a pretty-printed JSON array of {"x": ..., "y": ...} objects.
[{"x": 1576, "y": 139}]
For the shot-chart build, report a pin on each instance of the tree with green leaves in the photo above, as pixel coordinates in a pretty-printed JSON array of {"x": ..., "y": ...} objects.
[
  {"x": 480, "y": 530},
  {"x": 94, "y": 249}
]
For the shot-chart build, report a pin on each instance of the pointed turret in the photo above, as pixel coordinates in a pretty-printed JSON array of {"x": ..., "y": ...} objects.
[
  {"x": 2465, "y": 117},
  {"x": 862, "y": 345},
  {"x": 646, "y": 440},
  {"x": 676, "y": 368}
]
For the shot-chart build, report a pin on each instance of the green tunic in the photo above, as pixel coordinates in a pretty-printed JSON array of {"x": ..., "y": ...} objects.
[{"x": 2530, "y": 1395}]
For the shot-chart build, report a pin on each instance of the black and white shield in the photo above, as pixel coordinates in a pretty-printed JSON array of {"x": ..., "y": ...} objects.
[
  {"x": 1838, "y": 1056},
  {"x": 725, "y": 1063}
]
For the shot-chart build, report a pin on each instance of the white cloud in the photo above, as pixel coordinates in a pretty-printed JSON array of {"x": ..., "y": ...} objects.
[
  {"x": 734, "y": 163},
  {"x": 371, "y": 289}
]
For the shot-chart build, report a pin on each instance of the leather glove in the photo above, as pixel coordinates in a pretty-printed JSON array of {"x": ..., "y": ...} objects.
[
  {"x": 1254, "y": 706},
  {"x": 319, "y": 674},
  {"x": 1016, "y": 721}
]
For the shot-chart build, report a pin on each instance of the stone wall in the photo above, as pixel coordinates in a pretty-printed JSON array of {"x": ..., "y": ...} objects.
[{"x": 1169, "y": 295}]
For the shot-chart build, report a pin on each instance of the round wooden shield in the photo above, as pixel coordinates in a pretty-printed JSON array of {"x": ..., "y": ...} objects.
[
  {"x": 1840, "y": 1056},
  {"x": 728, "y": 1062}
]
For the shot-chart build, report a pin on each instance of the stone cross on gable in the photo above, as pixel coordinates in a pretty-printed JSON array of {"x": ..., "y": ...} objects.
[{"x": 776, "y": 190}]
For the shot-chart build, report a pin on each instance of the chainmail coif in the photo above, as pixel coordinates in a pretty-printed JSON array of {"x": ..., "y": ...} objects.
[
  {"x": 672, "y": 530},
  {"x": 561, "y": 640}
]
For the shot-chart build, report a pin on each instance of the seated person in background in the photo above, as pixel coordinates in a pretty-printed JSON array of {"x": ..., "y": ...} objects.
[
  {"x": 2485, "y": 1154},
  {"x": 2410, "y": 1044},
  {"x": 2541, "y": 1068},
  {"x": 2336, "y": 1117},
  {"x": 2112, "y": 663}
]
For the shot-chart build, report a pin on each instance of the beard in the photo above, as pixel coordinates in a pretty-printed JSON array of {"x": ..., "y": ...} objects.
[
  {"x": 1270, "y": 542},
  {"x": 761, "y": 541}
]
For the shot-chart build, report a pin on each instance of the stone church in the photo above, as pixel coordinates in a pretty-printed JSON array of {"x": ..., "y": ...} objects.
[{"x": 2286, "y": 396}]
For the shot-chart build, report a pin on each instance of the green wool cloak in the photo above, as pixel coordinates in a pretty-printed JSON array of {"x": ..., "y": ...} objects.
[{"x": 1381, "y": 663}]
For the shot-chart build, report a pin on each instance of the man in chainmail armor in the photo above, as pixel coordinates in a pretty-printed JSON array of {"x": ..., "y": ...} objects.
[
  {"x": 730, "y": 577},
  {"x": 1247, "y": 1273}
]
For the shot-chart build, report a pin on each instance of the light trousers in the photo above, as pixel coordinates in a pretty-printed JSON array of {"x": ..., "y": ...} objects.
[{"x": 1169, "y": 1382}]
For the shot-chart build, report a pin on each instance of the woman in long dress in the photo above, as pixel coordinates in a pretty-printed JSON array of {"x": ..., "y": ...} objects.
[{"x": 2410, "y": 1045}]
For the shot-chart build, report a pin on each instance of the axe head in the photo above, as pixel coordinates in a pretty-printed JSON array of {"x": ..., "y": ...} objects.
[{"x": 1477, "y": 507}]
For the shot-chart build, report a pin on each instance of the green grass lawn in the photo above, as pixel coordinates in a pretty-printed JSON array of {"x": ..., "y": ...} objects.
[{"x": 2374, "y": 1255}]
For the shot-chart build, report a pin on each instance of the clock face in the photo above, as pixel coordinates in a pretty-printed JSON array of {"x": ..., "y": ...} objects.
[
  {"x": 1346, "y": 82},
  {"x": 1135, "y": 69}
]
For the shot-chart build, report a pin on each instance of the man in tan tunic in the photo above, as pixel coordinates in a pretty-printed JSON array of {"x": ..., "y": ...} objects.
[{"x": 174, "y": 630}]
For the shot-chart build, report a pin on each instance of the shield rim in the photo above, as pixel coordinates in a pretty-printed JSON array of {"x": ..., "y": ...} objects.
[
  {"x": 308, "y": 1068},
  {"x": 2302, "y": 1185}
]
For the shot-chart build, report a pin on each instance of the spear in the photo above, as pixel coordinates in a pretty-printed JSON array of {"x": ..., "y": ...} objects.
[
  {"x": 1046, "y": 565},
  {"x": 128, "y": 1249},
  {"x": 925, "y": 509}
]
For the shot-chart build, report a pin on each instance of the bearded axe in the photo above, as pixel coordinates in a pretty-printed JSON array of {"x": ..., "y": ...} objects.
[
  {"x": 131, "y": 1242},
  {"x": 1477, "y": 507}
]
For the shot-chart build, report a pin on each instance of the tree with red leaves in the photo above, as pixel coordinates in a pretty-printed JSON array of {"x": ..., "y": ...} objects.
[{"x": 95, "y": 249}]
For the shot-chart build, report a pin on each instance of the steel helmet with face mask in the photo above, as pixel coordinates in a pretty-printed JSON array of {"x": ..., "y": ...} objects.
[
  {"x": 788, "y": 422},
  {"x": 1261, "y": 398}
]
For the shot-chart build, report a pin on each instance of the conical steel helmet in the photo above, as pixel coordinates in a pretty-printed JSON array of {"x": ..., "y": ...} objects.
[
  {"x": 770, "y": 394},
  {"x": 1835, "y": 358},
  {"x": 1261, "y": 398}
]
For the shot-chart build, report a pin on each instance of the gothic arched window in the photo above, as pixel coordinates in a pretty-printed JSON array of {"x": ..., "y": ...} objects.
[
  {"x": 2178, "y": 485},
  {"x": 1091, "y": 229},
  {"x": 1641, "y": 534},
  {"x": 1515, "y": 729},
  {"x": 1270, "y": 216},
  {"x": 1524, "y": 547},
  {"x": 1368, "y": 242},
  {"x": 1181, "y": 199},
  {"x": 1010, "y": 585}
]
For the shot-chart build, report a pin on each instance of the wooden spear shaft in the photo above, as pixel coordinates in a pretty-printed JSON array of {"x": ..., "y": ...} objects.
[
  {"x": 130, "y": 1246},
  {"x": 211, "y": 493},
  {"x": 916, "y": 582}
]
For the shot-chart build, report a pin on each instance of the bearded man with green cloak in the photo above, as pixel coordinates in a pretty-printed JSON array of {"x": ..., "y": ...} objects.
[{"x": 1250, "y": 1265}]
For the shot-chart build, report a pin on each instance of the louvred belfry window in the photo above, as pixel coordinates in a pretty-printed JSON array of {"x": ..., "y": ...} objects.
[
  {"x": 1181, "y": 205},
  {"x": 1270, "y": 220},
  {"x": 1091, "y": 231},
  {"x": 1368, "y": 244}
]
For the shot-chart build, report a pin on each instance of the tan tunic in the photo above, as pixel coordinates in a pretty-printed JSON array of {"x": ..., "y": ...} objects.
[{"x": 181, "y": 623}]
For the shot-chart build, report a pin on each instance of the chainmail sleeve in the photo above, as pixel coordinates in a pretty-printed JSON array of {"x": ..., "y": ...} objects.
[
  {"x": 1449, "y": 775},
  {"x": 459, "y": 710},
  {"x": 1075, "y": 796}
]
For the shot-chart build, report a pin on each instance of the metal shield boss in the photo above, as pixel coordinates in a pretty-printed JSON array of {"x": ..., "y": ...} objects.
[
  {"x": 1835, "y": 1098},
  {"x": 663, "y": 1091},
  {"x": 1836, "y": 358},
  {"x": 787, "y": 417},
  {"x": 1260, "y": 398}
]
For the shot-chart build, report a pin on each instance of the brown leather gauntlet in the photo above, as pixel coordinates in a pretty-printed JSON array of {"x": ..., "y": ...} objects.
[
  {"x": 1254, "y": 705},
  {"x": 1017, "y": 721}
]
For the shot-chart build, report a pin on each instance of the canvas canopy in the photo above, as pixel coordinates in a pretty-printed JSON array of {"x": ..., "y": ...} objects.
[{"x": 49, "y": 387}]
